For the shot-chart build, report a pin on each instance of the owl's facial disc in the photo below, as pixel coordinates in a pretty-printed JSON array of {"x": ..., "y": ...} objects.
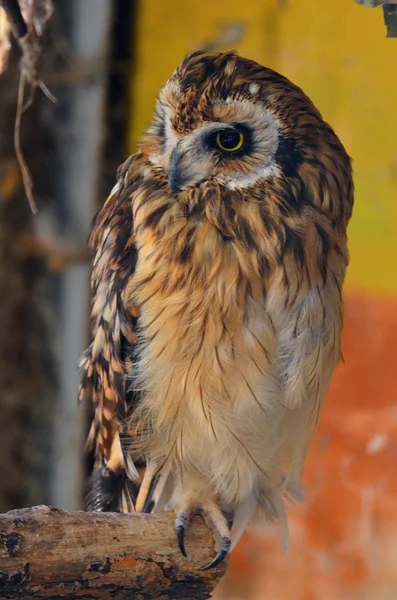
[{"x": 235, "y": 145}]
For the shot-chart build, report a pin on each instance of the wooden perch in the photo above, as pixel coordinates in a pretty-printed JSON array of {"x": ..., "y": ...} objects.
[{"x": 58, "y": 555}]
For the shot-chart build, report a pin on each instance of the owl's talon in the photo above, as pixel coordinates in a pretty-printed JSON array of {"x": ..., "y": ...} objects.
[
  {"x": 181, "y": 523},
  {"x": 180, "y": 531},
  {"x": 217, "y": 560},
  {"x": 223, "y": 544}
]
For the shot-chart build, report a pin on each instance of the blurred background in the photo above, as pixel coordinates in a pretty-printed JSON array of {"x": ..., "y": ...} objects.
[{"x": 105, "y": 60}]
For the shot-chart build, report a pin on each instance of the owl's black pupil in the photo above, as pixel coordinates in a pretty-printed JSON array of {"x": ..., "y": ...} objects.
[{"x": 229, "y": 139}]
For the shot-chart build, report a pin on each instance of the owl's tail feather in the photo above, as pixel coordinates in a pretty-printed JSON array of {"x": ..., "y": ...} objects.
[
  {"x": 108, "y": 491},
  {"x": 113, "y": 484}
]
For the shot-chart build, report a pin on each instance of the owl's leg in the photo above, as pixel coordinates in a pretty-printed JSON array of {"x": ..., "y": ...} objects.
[
  {"x": 152, "y": 488},
  {"x": 219, "y": 521}
]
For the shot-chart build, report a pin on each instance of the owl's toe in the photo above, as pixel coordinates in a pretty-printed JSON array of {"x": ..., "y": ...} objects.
[{"x": 219, "y": 521}]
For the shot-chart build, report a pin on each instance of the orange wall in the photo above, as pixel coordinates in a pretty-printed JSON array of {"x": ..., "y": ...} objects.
[{"x": 344, "y": 536}]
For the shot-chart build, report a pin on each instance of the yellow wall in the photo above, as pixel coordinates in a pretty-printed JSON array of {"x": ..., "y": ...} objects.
[{"x": 337, "y": 52}]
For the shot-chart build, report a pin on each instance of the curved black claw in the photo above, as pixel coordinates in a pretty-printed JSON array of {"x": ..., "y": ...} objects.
[
  {"x": 180, "y": 531},
  {"x": 218, "y": 559}
]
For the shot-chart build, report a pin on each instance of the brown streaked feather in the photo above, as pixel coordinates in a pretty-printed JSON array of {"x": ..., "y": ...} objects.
[
  {"x": 235, "y": 281},
  {"x": 109, "y": 357}
]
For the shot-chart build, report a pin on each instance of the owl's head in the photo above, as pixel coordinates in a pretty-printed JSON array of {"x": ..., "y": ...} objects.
[{"x": 228, "y": 121}]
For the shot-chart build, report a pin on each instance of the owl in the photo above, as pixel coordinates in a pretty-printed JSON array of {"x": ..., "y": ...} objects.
[{"x": 217, "y": 313}]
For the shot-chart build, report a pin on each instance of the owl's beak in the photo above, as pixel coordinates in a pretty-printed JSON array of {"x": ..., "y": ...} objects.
[
  {"x": 175, "y": 173},
  {"x": 189, "y": 165}
]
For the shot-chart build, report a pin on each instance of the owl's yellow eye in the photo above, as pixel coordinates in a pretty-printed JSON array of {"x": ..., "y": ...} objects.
[{"x": 229, "y": 140}]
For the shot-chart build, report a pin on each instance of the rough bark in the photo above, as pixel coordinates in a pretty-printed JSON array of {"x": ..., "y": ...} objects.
[{"x": 58, "y": 555}]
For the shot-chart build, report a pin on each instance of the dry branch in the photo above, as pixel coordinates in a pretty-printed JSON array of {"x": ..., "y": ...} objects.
[
  {"x": 389, "y": 13},
  {"x": 58, "y": 555}
]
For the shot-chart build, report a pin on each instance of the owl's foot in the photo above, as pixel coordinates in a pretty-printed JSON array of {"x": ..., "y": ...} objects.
[{"x": 218, "y": 521}]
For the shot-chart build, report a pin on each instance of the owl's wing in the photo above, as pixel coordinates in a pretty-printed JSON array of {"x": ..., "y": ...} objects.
[
  {"x": 113, "y": 483},
  {"x": 309, "y": 337}
]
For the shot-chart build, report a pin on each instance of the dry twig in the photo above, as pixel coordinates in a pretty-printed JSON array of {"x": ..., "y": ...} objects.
[{"x": 27, "y": 25}]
